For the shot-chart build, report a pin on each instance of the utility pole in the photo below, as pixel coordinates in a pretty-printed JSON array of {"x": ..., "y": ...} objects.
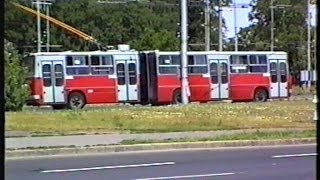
[
  {"x": 184, "y": 36},
  {"x": 220, "y": 27},
  {"x": 272, "y": 29},
  {"x": 235, "y": 27},
  {"x": 315, "y": 41},
  {"x": 45, "y": 4},
  {"x": 38, "y": 26},
  {"x": 48, "y": 29},
  {"x": 309, "y": 43},
  {"x": 207, "y": 24}
]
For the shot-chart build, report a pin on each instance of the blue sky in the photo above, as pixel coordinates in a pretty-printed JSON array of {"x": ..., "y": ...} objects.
[{"x": 242, "y": 17}]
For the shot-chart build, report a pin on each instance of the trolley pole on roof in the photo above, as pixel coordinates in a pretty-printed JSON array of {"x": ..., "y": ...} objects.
[{"x": 184, "y": 36}]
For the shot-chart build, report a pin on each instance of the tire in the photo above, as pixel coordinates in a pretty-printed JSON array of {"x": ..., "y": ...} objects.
[
  {"x": 260, "y": 95},
  {"x": 176, "y": 98},
  {"x": 58, "y": 107},
  {"x": 76, "y": 101}
]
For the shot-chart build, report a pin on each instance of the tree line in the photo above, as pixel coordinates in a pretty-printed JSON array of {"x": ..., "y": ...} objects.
[{"x": 146, "y": 25}]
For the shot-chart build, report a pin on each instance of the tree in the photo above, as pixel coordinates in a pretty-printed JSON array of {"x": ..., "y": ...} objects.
[
  {"x": 111, "y": 24},
  {"x": 16, "y": 93},
  {"x": 290, "y": 30}
]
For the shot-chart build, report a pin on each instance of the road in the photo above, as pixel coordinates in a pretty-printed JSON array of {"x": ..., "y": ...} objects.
[{"x": 273, "y": 162}]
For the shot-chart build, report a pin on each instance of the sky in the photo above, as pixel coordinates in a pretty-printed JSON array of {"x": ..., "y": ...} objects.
[{"x": 242, "y": 17}]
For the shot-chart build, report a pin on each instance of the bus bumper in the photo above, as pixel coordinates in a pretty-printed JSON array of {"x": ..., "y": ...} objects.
[{"x": 34, "y": 100}]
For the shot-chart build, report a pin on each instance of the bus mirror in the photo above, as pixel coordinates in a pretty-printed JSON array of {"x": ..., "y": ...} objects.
[{"x": 167, "y": 61}]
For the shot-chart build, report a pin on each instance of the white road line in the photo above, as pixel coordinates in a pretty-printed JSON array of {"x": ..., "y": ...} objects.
[
  {"x": 294, "y": 155},
  {"x": 108, "y": 167},
  {"x": 188, "y": 176}
]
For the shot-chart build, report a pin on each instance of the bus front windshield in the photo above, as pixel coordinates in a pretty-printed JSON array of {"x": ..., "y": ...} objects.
[{"x": 29, "y": 63}]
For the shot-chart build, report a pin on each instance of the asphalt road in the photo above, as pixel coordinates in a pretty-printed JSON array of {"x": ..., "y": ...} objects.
[{"x": 276, "y": 163}]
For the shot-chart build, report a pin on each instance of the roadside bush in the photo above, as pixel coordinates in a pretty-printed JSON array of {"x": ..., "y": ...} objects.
[{"x": 16, "y": 92}]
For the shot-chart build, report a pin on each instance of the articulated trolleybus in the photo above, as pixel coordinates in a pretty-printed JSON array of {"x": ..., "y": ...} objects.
[{"x": 74, "y": 79}]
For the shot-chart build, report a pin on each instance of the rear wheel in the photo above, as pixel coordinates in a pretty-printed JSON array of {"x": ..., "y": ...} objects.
[
  {"x": 176, "y": 99},
  {"x": 260, "y": 95},
  {"x": 76, "y": 101}
]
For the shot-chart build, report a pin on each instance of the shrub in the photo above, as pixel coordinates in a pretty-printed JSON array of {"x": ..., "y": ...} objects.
[{"x": 16, "y": 92}]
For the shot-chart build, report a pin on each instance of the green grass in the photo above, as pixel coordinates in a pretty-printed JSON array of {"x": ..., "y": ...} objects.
[
  {"x": 204, "y": 117},
  {"x": 296, "y": 90},
  {"x": 243, "y": 136}
]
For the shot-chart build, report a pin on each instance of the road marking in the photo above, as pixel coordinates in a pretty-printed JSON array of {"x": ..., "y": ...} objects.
[
  {"x": 109, "y": 167},
  {"x": 188, "y": 176},
  {"x": 294, "y": 155}
]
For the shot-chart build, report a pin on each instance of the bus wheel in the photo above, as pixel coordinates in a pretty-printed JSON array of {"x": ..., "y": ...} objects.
[
  {"x": 76, "y": 101},
  {"x": 176, "y": 99},
  {"x": 260, "y": 95}
]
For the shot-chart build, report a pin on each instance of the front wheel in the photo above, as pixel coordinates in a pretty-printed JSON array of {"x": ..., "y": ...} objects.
[
  {"x": 177, "y": 99},
  {"x": 76, "y": 101},
  {"x": 260, "y": 96}
]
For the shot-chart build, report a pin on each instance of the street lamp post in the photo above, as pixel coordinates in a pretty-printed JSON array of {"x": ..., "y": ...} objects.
[
  {"x": 235, "y": 27},
  {"x": 272, "y": 20},
  {"x": 235, "y": 6},
  {"x": 38, "y": 26},
  {"x": 46, "y": 3},
  {"x": 308, "y": 45},
  {"x": 207, "y": 25},
  {"x": 272, "y": 7},
  {"x": 220, "y": 26},
  {"x": 184, "y": 36}
]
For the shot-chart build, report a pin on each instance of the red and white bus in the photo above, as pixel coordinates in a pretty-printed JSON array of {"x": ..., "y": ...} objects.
[
  {"x": 78, "y": 78},
  {"x": 74, "y": 79},
  {"x": 236, "y": 76},
  {"x": 253, "y": 75}
]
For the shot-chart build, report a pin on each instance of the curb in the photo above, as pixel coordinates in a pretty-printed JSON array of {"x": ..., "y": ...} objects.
[{"x": 152, "y": 147}]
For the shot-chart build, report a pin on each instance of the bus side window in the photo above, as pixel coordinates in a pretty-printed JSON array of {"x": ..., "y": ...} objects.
[
  {"x": 169, "y": 65},
  {"x": 273, "y": 72},
  {"x": 197, "y": 64},
  {"x": 258, "y": 64},
  {"x": 283, "y": 72},
  {"x": 77, "y": 65},
  {"x": 102, "y": 65},
  {"x": 239, "y": 64}
]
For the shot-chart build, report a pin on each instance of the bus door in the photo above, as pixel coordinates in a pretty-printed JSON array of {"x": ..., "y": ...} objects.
[
  {"x": 127, "y": 78},
  {"x": 53, "y": 81},
  {"x": 279, "y": 78},
  {"x": 219, "y": 79}
]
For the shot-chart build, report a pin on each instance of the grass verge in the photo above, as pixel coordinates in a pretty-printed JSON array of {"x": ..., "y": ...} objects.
[
  {"x": 296, "y": 90},
  {"x": 247, "y": 136},
  {"x": 192, "y": 117}
]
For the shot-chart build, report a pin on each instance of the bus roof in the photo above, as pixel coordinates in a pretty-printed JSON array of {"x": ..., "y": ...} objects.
[
  {"x": 110, "y": 52},
  {"x": 114, "y": 52},
  {"x": 224, "y": 52}
]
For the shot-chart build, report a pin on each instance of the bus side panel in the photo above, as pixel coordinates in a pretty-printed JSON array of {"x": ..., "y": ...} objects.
[
  {"x": 143, "y": 79},
  {"x": 199, "y": 88},
  {"x": 97, "y": 89},
  {"x": 290, "y": 85},
  {"x": 152, "y": 78},
  {"x": 242, "y": 86},
  {"x": 166, "y": 86},
  {"x": 36, "y": 92}
]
